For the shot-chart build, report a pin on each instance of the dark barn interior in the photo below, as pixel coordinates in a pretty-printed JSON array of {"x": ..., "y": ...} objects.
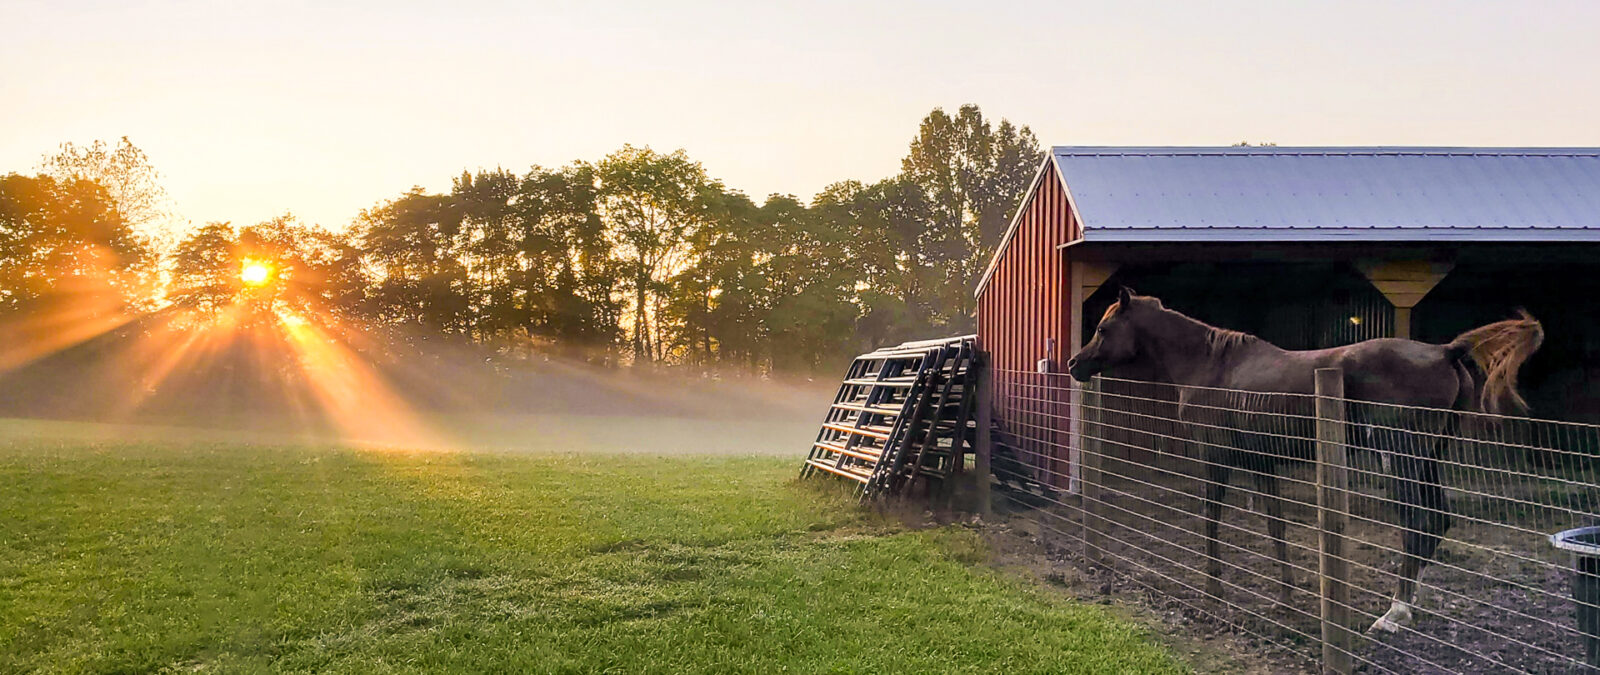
[
  {"x": 1317, "y": 304},
  {"x": 1561, "y": 381}
]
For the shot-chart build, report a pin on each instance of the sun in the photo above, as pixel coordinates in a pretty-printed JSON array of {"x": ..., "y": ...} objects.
[{"x": 255, "y": 273}]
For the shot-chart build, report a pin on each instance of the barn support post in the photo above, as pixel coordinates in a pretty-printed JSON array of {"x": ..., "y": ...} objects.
[
  {"x": 983, "y": 448},
  {"x": 1333, "y": 507},
  {"x": 1093, "y": 542},
  {"x": 1084, "y": 278},
  {"x": 1404, "y": 283}
]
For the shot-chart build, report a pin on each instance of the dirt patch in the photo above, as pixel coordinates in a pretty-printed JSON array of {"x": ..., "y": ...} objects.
[
  {"x": 1496, "y": 599},
  {"x": 1208, "y": 644},
  {"x": 1019, "y": 547}
]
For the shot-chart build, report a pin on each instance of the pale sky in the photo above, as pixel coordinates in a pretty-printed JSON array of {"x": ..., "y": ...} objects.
[{"x": 324, "y": 108}]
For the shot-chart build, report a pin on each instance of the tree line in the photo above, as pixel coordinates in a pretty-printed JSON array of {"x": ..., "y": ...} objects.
[{"x": 640, "y": 258}]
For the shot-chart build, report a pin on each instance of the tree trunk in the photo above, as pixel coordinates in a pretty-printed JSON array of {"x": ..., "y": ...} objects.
[
  {"x": 641, "y": 352},
  {"x": 705, "y": 327}
]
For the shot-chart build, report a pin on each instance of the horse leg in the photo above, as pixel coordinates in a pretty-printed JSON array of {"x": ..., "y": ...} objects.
[
  {"x": 1422, "y": 511},
  {"x": 1216, "y": 489},
  {"x": 1268, "y": 485}
]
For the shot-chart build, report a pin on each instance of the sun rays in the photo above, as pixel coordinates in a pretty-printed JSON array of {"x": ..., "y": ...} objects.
[
  {"x": 265, "y": 349},
  {"x": 84, "y": 303},
  {"x": 352, "y": 394}
]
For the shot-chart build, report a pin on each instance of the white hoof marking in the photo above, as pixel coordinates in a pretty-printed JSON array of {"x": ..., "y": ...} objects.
[{"x": 1399, "y": 614}]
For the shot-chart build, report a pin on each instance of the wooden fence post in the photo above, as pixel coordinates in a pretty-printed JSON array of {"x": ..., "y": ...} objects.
[
  {"x": 1333, "y": 505},
  {"x": 1090, "y": 451},
  {"x": 985, "y": 442}
]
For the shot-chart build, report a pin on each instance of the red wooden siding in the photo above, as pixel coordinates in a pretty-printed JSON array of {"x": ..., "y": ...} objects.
[{"x": 1024, "y": 304}]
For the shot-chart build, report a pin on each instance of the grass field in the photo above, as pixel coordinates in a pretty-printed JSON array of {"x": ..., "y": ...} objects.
[{"x": 205, "y": 555}]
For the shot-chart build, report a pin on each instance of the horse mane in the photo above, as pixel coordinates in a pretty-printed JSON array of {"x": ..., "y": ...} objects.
[
  {"x": 1218, "y": 341},
  {"x": 1222, "y": 340}
]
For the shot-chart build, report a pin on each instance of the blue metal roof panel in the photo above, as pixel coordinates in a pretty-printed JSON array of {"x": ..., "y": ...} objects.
[{"x": 1347, "y": 194}]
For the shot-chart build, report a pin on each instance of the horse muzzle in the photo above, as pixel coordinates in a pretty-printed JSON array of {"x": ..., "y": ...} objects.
[{"x": 1083, "y": 370}]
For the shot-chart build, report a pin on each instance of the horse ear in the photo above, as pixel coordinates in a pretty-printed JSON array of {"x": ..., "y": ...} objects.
[{"x": 1125, "y": 295}]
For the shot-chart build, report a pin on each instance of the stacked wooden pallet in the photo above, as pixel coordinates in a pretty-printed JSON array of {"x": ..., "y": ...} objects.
[{"x": 902, "y": 414}]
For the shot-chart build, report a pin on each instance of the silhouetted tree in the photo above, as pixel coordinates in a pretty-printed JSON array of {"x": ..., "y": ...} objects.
[
  {"x": 538, "y": 257},
  {"x": 417, "y": 246},
  {"x": 65, "y": 239},
  {"x": 314, "y": 272},
  {"x": 124, "y": 171}
]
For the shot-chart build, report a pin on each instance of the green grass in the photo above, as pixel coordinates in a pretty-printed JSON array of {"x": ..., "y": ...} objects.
[{"x": 212, "y": 556}]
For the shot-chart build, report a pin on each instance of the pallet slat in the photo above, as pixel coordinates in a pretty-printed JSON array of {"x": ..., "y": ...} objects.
[
  {"x": 870, "y": 409},
  {"x": 868, "y": 454},
  {"x": 878, "y": 432},
  {"x": 896, "y": 382},
  {"x": 852, "y": 475}
]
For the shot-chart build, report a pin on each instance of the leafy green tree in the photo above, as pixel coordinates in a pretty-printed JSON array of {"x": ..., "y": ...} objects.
[
  {"x": 580, "y": 310},
  {"x": 206, "y": 266},
  {"x": 884, "y": 237},
  {"x": 538, "y": 257},
  {"x": 652, "y": 205},
  {"x": 697, "y": 296},
  {"x": 812, "y": 278},
  {"x": 493, "y": 234},
  {"x": 972, "y": 174}
]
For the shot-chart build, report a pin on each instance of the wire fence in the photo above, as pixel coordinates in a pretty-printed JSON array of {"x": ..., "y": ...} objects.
[{"x": 1297, "y": 518}]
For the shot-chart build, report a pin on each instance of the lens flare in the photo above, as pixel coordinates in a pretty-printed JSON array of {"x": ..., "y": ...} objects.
[{"x": 255, "y": 273}]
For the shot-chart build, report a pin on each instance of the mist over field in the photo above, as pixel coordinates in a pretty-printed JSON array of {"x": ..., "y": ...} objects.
[{"x": 465, "y": 397}]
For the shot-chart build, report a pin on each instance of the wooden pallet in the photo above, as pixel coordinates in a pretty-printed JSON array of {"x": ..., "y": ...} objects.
[{"x": 902, "y": 414}]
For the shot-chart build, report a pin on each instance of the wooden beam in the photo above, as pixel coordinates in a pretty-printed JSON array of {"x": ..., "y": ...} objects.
[
  {"x": 1095, "y": 275},
  {"x": 1075, "y": 305},
  {"x": 1087, "y": 277},
  {"x": 1404, "y": 283}
]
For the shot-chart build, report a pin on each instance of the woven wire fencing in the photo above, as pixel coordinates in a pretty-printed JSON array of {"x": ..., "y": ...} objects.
[{"x": 1316, "y": 511}]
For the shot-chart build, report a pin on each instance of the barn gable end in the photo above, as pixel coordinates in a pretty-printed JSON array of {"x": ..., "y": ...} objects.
[
  {"x": 1019, "y": 297},
  {"x": 1024, "y": 316}
]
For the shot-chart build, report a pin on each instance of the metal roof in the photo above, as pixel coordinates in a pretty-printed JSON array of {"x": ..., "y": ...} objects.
[{"x": 1132, "y": 194}]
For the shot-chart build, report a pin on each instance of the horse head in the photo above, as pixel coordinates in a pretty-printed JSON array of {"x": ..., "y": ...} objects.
[{"x": 1116, "y": 340}]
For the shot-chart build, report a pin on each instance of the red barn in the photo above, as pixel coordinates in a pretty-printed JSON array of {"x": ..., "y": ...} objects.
[{"x": 1306, "y": 247}]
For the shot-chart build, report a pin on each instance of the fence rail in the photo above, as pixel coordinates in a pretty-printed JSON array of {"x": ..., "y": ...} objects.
[{"x": 1320, "y": 508}]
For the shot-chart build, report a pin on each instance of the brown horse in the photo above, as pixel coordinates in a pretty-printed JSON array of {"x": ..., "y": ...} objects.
[{"x": 1139, "y": 334}]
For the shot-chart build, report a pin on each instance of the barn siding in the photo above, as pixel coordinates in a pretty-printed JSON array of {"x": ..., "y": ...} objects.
[{"x": 1019, "y": 310}]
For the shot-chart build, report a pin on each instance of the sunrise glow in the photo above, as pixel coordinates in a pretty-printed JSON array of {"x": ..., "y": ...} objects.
[{"x": 255, "y": 273}]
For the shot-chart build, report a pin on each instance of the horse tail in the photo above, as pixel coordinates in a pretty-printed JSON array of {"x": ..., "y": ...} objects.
[
  {"x": 1499, "y": 349},
  {"x": 1467, "y": 387}
]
